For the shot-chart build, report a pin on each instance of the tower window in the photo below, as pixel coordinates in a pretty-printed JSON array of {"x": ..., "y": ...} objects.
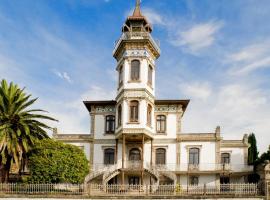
[
  {"x": 194, "y": 156},
  {"x": 225, "y": 158},
  {"x": 110, "y": 124},
  {"x": 149, "y": 114},
  {"x": 161, "y": 124},
  {"x": 135, "y": 70},
  {"x": 150, "y": 74},
  {"x": 134, "y": 111},
  {"x": 119, "y": 115},
  {"x": 120, "y": 76}
]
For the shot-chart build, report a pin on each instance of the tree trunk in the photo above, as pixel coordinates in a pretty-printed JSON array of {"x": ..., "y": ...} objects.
[{"x": 5, "y": 170}]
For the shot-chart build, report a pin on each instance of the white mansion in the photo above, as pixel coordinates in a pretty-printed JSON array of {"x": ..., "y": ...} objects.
[{"x": 137, "y": 139}]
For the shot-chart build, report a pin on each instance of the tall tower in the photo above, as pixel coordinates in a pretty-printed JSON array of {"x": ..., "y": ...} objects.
[{"x": 135, "y": 53}]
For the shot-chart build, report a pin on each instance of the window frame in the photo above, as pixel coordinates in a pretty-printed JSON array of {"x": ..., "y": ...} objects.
[
  {"x": 132, "y": 154},
  {"x": 161, "y": 121},
  {"x": 119, "y": 115},
  {"x": 150, "y": 74},
  {"x": 132, "y": 111},
  {"x": 191, "y": 180},
  {"x": 228, "y": 158},
  {"x": 193, "y": 157},
  {"x": 109, "y": 128},
  {"x": 135, "y": 75},
  {"x": 164, "y": 159},
  {"x": 149, "y": 115},
  {"x": 110, "y": 152},
  {"x": 120, "y": 76}
]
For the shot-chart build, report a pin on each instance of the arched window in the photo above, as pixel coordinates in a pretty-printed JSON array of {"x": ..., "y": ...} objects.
[
  {"x": 225, "y": 158},
  {"x": 161, "y": 124},
  {"x": 110, "y": 124},
  {"x": 135, "y": 70},
  {"x": 160, "y": 156},
  {"x": 134, "y": 111},
  {"x": 194, "y": 156},
  {"x": 149, "y": 114},
  {"x": 120, "y": 76},
  {"x": 119, "y": 115},
  {"x": 134, "y": 154},
  {"x": 150, "y": 74},
  {"x": 109, "y": 156}
]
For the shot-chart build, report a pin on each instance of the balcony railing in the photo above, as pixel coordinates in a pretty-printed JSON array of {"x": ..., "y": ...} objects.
[
  {"x": 178, "y": 167},
  {"x": 137, "y": 36}
]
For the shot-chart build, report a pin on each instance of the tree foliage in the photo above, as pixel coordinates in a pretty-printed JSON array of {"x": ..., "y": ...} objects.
[
  {"x": 20, "y": 127},
  {"x": 55, "y": 162},
  {"x": 252, "y": 150},
  {"x": 265, "y": 156}
]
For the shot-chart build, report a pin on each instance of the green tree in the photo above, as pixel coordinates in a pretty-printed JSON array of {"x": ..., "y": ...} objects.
[
  {"x": 20, "y": 127},
  {"x": 55, "y": 162},
  {"x": 265, "y": 156},
  {"x": 252, "y": 150}
]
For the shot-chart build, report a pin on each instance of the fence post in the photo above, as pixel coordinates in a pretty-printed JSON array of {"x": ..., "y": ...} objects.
[
  {"x": 204, "y": 188},
  {"x": 266, "y": 190}
]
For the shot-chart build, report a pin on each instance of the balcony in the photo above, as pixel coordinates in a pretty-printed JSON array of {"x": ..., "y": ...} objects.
[{"x": 137, "y": 36}]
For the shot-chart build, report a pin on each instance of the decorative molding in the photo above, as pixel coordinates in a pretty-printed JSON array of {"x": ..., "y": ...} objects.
[
  {"x": 104, "y": 141},
  {"x": 105, "y": 109}
]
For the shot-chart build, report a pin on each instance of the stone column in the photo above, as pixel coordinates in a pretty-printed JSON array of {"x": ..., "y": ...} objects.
[
  {"x": 123, "y": 158},
  {"x": 142, "y": 160}
]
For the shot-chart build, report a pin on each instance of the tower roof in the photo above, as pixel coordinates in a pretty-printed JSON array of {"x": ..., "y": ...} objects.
[
  {"x": 138, "y": 16},
  {"x": 137, "y": 11}
]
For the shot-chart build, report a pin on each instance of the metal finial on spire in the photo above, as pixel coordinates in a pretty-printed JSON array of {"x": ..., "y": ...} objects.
[
  {"x": 137, "y": 10},
  {"x": 138, "y": 3}
]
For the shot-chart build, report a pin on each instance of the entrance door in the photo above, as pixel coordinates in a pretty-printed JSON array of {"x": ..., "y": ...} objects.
[{"x": 134, "y": 180}]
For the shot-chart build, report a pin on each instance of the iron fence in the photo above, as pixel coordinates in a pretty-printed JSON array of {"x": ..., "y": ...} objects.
[{"x": 129, "y": 190}]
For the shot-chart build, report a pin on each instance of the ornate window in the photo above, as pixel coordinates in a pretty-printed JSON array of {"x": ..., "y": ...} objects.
[
  {"x": 160, "y": 156},
  {"x": 119, "y": 112},
  {"x": 149, "y": 115},
  {"x": 110, "y": 124},
  {"x": 135, "y": 70},
  {"x": 150, "y": 74},
  {"x": 161, "y": 124},
  {"x": 134, "y": 111},
  {"x": 120, "y": 76},
  {"x": 194, "y": 180},
  {"x": 194, "y": 156},
  {"x": 225, "y": 158},
  {"x": 134, "y": 154},
  {"x": 109, "y": 156}
]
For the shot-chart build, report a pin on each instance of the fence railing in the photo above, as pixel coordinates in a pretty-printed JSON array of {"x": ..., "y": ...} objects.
[{"x": 128, "y": 190}]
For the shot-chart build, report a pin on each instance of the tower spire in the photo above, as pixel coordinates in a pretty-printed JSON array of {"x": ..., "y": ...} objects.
[{"x": 137, "y": 10}]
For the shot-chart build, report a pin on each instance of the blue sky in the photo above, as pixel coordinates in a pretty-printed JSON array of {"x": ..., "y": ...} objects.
[{"x": 216, "y": 53}]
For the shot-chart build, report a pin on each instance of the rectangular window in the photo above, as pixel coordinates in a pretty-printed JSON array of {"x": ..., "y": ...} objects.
[
  {"x": 120, "y": 76},
  {"x": 150, "y": 74},
  {"x": 110, "y": 124},
  {"x": 134, "y": 111},
  {"x": 194, "y": 180},
  {"x": 135, "y": 70}
]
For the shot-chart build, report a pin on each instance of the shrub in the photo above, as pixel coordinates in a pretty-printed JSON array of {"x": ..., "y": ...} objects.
[{"x": 55, "y": 162}]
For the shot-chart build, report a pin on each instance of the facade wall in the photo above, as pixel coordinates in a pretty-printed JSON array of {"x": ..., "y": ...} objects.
[
  {"x": 203, "y": 179},
  {"x": 236, "y": 157},
  {"x": 207, "y": 157}
]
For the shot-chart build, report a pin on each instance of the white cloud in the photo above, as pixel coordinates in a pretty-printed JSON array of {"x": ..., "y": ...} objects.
[
  {"x": 249, "y": 59},
  {"x": 153, "y": 16},
  {"x": 196, "y": 90},
  {"x": 63, "y": 75},
  {"x": 198, "y": 36},
  {"x": 238, "y": 107}
]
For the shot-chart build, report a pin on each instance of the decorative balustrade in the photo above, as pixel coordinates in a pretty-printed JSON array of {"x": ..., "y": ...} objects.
[{"x": 137, "y": 36}]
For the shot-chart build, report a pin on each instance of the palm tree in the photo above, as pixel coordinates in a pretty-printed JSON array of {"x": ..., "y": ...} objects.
[{"x": 20, "y": 127}]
